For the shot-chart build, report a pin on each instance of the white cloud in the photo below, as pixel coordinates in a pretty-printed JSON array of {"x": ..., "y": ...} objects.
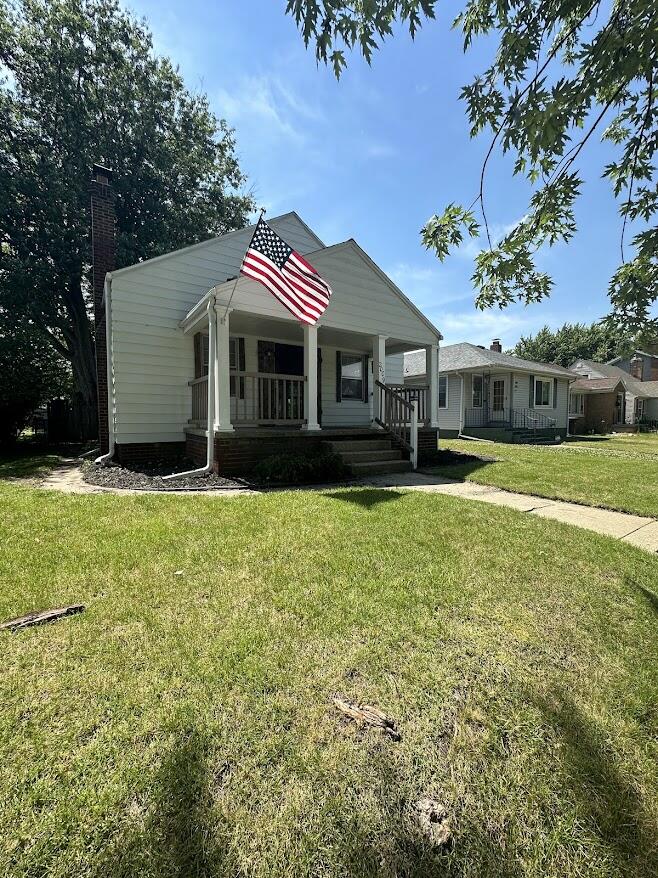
[
  {"x": 267, "y": 108},
  {"x": 479, "y": 327},
  {"x": 376, "y": 150},
  {"x": 429, "y": 287}
]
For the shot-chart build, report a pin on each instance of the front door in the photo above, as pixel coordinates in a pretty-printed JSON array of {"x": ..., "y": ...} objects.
[{"x": 498, "y": 387}]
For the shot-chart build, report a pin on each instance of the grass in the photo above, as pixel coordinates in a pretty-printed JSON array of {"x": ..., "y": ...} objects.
[
  {"x": 182, "y": 725},
  {"x": 24, "y": 463},
  {"x": 615, "y": 473}
]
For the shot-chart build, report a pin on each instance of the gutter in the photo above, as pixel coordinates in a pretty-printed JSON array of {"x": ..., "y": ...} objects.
[
  {"x": 107, "y": 295},
  {"x": 212, "y": 360}
]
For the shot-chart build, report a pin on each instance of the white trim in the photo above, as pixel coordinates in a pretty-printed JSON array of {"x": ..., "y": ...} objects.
[
  {"x": 477, "y": 375},
  {"x": 352, "y": 244},
  {"x": 549, "y": 404},
  {"x": 107, "y": 296},
  {"x": 443, "y": 408}
]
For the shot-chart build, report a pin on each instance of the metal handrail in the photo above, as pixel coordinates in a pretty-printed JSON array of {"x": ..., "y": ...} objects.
[{"x": 396, "y": 414}]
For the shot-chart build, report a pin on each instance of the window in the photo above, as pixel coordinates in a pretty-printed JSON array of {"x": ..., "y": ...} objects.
[
  {"x": 351, "y": 376},
  {"x": 236, "y": 363},
  {"x": 275, "y": 358},
  {"x": 542, "y": 392},
  {"x": 478, "y": 382},
  {"x": 576, "y": 404},
  {"x": 443, "y": 391}
]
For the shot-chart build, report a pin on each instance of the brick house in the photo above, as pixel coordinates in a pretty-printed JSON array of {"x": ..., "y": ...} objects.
[{"x": 607, "y": 395}]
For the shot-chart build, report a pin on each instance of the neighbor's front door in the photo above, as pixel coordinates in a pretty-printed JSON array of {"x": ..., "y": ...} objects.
[{"x": 498, "y": 397}]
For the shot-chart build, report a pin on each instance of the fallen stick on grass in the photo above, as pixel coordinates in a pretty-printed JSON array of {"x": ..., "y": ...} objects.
[
  {"x": 365, "y": 714},
  {"x": 40, "y": 617}
]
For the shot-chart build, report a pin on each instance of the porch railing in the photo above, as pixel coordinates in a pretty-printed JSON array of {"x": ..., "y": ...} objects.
[
  {"x": 400, "y": 417},
  {"x": 200, "y": 399},
  {"x": 418, "y": 393},
  {"x": 256, "y": 398},
  {"x": 516, "y": 419}
]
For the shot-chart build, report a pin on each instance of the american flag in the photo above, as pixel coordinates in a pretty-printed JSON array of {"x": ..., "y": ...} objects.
[{"x": 286, "y": 274}]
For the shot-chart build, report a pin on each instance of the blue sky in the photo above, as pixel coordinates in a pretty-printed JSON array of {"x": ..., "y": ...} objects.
[{"x": 373, "y": 156}]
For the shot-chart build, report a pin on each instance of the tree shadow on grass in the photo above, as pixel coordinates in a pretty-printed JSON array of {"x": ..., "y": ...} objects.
[
  {"x": 173, "y": 833},
  {"x": 398, "y": 848},
  {"x": 651, "y": 596},
  {"x": 611, "y": 804},
  {"x": 367, "y": 498}
]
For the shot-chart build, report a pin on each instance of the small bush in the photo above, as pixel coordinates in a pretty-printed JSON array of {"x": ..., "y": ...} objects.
[{"x": 301, "y": 468}]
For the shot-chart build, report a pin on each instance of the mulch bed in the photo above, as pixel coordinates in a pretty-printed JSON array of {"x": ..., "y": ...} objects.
[{"x": 150, "y": 478}]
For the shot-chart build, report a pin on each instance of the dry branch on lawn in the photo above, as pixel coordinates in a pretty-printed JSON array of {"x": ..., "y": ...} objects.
[
  {"x": 40, "y": 617},
  {"x": 365, "y": 714}
]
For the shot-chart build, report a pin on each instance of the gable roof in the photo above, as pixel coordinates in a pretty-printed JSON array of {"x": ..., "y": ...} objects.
[
  {"x": 636, "y": 351},
  {"x": 387, "y": 280},
  {"x": 596, "y": 385},
  {"x": 209, "y": 241},
  {"x": 634, "y": 386},
  {"x": 466, "y": 356}
]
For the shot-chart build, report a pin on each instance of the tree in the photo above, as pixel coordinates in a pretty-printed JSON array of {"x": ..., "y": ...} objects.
[
  {"x": 564, "y": 71},
  {"x": 600, "y": 342},
  {"x": 79, "y": 83},
  {"x": 31, "y": 373}
]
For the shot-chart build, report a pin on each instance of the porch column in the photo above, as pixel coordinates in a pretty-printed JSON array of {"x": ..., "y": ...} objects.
[
  {"x": 378, "y": 372},
  {"x": 311, "y": 375},
  {"x": 222, "y": 373},
  {"x": 432, "y": 372}
]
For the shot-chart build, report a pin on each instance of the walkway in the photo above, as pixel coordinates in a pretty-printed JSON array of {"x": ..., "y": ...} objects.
[{"x": 634, "y": 529}]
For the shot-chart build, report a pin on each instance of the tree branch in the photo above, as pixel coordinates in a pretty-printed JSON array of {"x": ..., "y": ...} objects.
[{"x": 645, "y": 122}]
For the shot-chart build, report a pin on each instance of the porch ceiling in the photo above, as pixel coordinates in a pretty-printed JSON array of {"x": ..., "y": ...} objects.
[{"x": 244, "y": 323}]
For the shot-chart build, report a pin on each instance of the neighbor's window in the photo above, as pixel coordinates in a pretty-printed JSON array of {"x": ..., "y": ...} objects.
[
  {"x": 351, "y": 376},
  {"x": 576, "y": 404},
  {"x": 477, "y": 391},
  {"x": 443, "y": 391},
  {"x": 542, "y": 392}
]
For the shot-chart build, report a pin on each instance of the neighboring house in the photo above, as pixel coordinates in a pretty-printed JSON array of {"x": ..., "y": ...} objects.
[
  {"x": 596, "y": 404},
  {"x": 631, "y": 403},
  {"x": 489, "y": 394},
  {"x": 166, "y": 324},
  {"x": 642, "y": 365}
]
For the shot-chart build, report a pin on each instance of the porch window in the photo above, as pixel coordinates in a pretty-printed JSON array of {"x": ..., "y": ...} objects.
[
  {"x": 542, "y": 392},
  {"x": 276, "y": 358},
  {"x": 443, "y": 391},
  {"x": 351, "y": 376},
  {"x": 576, "y": 404},
  {"x": 478, "y": 383}
]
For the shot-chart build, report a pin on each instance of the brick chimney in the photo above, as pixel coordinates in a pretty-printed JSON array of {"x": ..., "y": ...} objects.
[
  {"x": 103, "y": 249},
  {"x": 636, "y": 367},
  {"x": 496, "y": 346}
]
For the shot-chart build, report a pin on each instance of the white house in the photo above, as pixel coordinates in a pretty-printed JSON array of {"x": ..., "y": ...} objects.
[
  {"x": 172, "y": 322},
  {"x": 489, "y": 394}
]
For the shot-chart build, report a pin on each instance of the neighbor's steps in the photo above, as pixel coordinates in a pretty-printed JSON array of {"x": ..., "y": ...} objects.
[{"x": 367, "y": 457}]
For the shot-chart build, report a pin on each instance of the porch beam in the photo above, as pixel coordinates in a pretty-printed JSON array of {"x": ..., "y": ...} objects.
[
  {"x": 432, "y": 371},
  {"x": 222, "y": 372},
  {"x": 311, "y": 375},
  {"x": 378, "y": 372}
]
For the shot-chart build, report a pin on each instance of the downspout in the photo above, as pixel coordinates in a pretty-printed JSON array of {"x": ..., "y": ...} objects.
[
  {"x": 212, "y": 358},
  {"x": 107, "y": 295}
]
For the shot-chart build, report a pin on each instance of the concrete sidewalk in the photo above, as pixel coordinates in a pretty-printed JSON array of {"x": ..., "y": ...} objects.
[{"x": 635, "y": 529}]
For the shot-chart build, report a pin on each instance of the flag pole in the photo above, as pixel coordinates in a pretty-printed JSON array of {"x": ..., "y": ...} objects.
[{"x": 263, "y": 210}]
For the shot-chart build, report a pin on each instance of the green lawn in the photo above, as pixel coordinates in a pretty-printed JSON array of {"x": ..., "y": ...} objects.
[
  {"x": 183, "y": 726},
  {"x": 617, "y": 473}
]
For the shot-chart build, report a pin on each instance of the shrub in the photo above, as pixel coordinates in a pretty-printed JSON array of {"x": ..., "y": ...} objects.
[{"x": 301, "y": 468}]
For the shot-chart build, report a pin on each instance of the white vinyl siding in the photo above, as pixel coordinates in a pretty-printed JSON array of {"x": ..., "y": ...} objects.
[{"x": 521, "y": 399}]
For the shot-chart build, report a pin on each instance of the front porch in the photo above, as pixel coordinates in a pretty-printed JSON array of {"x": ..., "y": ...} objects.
[{"x": 253, "y": 373}]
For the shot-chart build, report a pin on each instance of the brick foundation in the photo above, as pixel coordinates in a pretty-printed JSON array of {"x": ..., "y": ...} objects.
[{"x": 237, "y": 455}]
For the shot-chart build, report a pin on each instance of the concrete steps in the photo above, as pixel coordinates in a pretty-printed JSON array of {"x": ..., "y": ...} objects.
[{"x": 369, "y": 456}]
